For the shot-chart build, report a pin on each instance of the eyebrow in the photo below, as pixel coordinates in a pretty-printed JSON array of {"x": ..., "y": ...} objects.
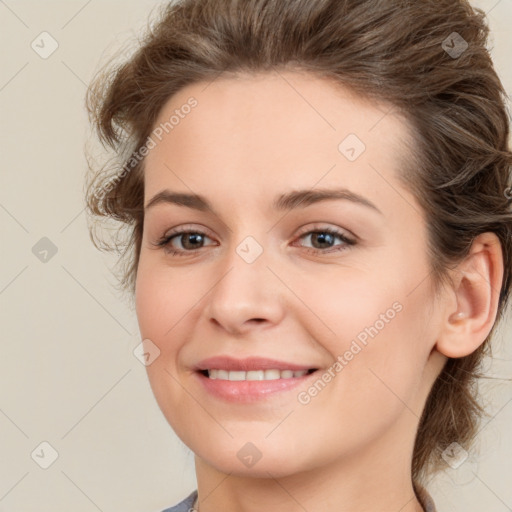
[{"x": 285, "y": 202}]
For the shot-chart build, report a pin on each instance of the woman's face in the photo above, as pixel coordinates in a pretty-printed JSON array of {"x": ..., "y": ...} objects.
[{"x": 339, "y": 285}]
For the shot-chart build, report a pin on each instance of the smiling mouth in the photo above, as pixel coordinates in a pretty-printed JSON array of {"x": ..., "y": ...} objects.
[{"x": 254, "y": 375}]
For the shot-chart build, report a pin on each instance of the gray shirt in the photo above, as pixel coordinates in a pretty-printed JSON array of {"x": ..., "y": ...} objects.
[{"x": 185, "y": 505}]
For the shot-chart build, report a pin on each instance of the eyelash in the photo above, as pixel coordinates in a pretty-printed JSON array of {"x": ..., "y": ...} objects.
[{"x": 164, "y": 242}]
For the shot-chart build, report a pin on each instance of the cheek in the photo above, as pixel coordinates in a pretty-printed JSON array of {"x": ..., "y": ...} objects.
[
  {"x": 378, "y": 331},
  {"x": 148, "y": 304},
  {"x": 167, "y": 303},
  {"x": 161, "y": 310},
  {"x": 163, "y": 297}
]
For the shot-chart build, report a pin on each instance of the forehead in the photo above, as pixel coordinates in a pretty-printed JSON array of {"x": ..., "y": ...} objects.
[{"x": 274, "y": 130}]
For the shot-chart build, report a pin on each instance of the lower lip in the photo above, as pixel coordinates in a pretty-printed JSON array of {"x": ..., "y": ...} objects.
[{"x": 250, "y": 390}]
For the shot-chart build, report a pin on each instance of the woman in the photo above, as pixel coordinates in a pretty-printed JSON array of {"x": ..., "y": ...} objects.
[{"x": 320, "y": 240}]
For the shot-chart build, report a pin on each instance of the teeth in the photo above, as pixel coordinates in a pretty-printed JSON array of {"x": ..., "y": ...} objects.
[{"x": 255, "y": 374}]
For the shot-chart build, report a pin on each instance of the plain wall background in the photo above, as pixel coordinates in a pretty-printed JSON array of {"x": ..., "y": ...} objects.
[{"x": 68, "y": 375}]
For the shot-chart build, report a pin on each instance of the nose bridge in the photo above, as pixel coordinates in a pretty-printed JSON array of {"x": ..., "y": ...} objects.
[{"x": 246, "y": 289}]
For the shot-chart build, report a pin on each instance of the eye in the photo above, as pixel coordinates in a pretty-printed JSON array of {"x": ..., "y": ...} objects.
[
  {"x": 193, "y": 240},
  {"x": 324, "y": 238},
  {"x": 189, "y": 240}
]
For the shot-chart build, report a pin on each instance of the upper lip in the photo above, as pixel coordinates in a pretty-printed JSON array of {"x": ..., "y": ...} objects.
[{"x": 248, "y": 364}]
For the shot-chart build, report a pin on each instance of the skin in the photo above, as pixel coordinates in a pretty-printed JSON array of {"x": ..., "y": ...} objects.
[{"x": 249, "y": 139}]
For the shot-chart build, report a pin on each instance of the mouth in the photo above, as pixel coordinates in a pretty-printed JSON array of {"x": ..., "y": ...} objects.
[
  {"x": 254, "y": 375},
  {"x": 252, "y": 379},
  {"x": 246, "y": 387}
]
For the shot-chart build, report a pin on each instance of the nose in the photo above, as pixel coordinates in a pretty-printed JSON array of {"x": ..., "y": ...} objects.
[{"x": 246, "y": 295}]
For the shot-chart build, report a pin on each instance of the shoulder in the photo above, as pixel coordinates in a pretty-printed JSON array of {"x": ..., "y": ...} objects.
[{"x": 185, "y": 505}]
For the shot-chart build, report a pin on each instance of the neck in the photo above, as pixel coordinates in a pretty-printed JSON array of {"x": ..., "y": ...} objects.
[{"x": 367, "y": 482}]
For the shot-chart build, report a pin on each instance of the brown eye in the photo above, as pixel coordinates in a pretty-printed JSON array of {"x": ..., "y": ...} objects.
[
  {"x": 324, "y": 239},
  {"x": 190, "y": 241},
  {"x": 182, "y": 242}
]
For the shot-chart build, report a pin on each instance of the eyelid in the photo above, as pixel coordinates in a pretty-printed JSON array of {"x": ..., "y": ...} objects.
[
  {"x": 186, "y": 228},
  {"x": 307, "y": 228},
  {"x": 322, "y": 226}
]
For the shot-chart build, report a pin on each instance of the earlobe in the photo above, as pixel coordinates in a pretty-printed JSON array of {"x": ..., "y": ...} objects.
[{"x": 475, "y": 295}]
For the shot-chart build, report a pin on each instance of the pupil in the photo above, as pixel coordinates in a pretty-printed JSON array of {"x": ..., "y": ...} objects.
[
  {"x": 322, "y": 236},
  {"x": 192, "y": 237}
]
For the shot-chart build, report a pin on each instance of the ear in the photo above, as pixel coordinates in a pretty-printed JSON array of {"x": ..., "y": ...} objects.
[{"x": 469, "y": 317}]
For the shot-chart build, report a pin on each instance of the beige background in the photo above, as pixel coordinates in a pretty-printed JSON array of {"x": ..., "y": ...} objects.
[{"x": 68, "y": 375}]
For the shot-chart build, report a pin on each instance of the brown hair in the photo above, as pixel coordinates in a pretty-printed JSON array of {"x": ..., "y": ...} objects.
[{"x": 411, "y": 54}]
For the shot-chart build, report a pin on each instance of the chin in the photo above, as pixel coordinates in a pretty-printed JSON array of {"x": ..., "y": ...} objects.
[
  {"x": 246, "y": 459},
  {"x": 261, "y": 469}
]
